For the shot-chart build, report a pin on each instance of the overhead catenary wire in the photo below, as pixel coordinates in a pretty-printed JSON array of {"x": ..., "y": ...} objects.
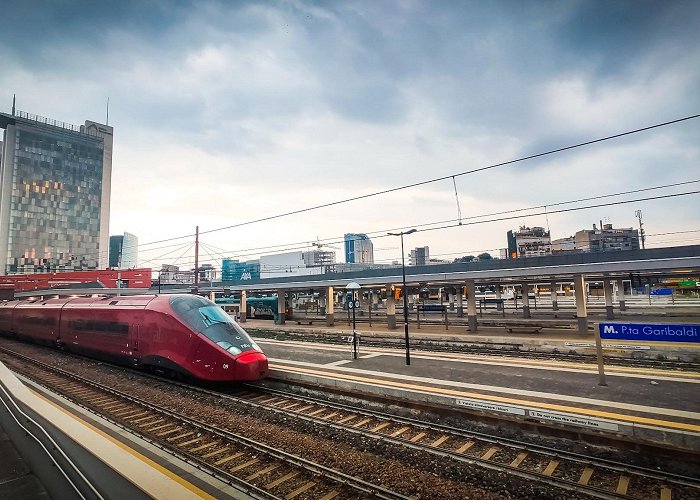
[{"x": 437, "y": 179}]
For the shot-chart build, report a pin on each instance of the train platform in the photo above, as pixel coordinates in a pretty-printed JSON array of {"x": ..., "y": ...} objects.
[
  {"x": 639, "y": 405},
  {"x": 52, "y": 448}
]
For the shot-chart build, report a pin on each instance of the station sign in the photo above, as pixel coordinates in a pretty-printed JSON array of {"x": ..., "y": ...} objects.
[
  {"x": 688, "y": 283},
  {"x": 650, "y": 332}
]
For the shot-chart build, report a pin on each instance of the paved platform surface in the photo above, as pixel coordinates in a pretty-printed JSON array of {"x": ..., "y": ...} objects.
[
  {"x": 16, "y": 478},
  {"x": 641, "y": 404}
]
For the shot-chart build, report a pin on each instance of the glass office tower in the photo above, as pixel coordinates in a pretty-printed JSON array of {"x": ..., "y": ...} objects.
[
  {"x": 123, "y": 251},
  {"x": 358, "y": 249},
  {"x": 55, "y": 181}
]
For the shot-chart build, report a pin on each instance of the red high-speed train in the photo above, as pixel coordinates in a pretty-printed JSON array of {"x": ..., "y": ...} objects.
[{"x": 179, "y": 334}]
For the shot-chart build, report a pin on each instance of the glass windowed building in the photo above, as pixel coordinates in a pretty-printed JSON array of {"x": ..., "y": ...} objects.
[
  {"x": 358, "y": 249},
  {"x": 55, "y": 182},
  {"x": 123, "y": 251}
]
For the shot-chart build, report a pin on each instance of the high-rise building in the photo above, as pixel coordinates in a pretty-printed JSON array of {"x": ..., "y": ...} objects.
[
  {"x": 419, "y": 256},
  {"x": 233, "y": 270},
  {"x": 55, "y": 182},
  {"x": 358, "y": 249},
  {"x": 123, "y": 251}
]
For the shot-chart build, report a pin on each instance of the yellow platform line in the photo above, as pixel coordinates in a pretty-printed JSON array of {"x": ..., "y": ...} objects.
[
  {"x": 186, "y": 484},
  {"x": 501, "y": 399}
]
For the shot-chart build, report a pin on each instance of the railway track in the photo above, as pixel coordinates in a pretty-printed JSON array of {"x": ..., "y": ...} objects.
[
  {"x": 570, "y": 471},
  {"x": 259, "y": 470},
  {"x": 594, "y": 477}
]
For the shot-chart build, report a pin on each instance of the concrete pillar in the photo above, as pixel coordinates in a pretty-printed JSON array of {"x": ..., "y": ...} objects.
[
  {"x": 525, "y": 291},
  {"x": 581, "y": 311},
  {"x": 212, "y": 296},
  {"x": 374, "y": 300},
  {"x": 555, "y": 303},
  {"x": 460, "y": 303},
  {"x": 451, "y": 299},
  {"x": 499, "y": 306},
  {"x": 471, "y": 305},
  {"x": 621, "y": 294},
  {"x": 281, "y": 316},
  {"x": 242, "y": 307},
  {"x": 330, "y": 304},
  {"x": 607, "y": 292},
  {"x": 391, "y": 310}
]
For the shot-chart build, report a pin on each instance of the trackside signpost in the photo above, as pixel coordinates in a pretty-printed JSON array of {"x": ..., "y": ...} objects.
[{"x": 647, "y": 332}]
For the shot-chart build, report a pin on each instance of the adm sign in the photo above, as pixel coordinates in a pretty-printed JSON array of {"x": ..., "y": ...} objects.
[{"x": 650, "y": 332}]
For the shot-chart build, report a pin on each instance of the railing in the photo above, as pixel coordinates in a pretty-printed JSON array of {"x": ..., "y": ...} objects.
[{"x": 47, "y": 121}]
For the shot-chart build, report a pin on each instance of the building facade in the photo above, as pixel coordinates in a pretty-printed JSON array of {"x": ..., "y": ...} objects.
[
  {"x": 419, "y": 256},
  {"x": 123, "y": 251},
  {"x": 358, "y": 249},
  {"x": 607, "y": 239},
  {"x": 55, "y": 183},
  {"x": 233, "y": 270},
  {"x": 529, "y": 242}
]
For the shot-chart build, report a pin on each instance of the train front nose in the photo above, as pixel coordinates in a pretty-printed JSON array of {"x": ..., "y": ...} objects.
[{"x": 251, "y": 365}]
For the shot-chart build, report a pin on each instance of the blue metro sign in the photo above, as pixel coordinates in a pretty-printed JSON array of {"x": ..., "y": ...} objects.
[{"x": 650, "y": 332}]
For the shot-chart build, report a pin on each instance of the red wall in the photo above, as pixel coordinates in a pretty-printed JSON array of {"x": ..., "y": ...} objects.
[{"x": 135, "y": 278}]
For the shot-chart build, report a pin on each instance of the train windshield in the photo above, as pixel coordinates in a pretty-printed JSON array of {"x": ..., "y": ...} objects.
[{"x": 210, "y": 320}]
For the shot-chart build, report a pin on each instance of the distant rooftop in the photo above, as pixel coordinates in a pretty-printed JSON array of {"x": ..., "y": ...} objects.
[{"x": 9, "y": 119}]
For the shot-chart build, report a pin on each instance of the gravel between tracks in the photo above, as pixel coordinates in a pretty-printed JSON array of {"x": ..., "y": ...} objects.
[{"x": 411, "y": 472}]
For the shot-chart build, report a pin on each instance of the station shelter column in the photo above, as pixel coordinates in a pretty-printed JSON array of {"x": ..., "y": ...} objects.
[
  {"x": 471, "y": 305},
  {"x": 330, "y": 311},
  {"x": 460, "y": 303},
  {"x": 281, "y": 316},
  {"x": 243, "y": 307},
  {"x": 499, "y": 304},
  {"x": 451, "y": 298},
  {"x": 607, "y": 291},
  {"x": 525, "y": 291},
  {"x": 391, "y": 309},
  {"x": 581, "y": 311},
  {"x": 621, "y": 294},
  {"x": 553, "y": 287}
]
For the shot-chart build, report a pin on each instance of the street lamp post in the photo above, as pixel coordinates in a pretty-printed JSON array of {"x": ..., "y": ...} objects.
[
  {"x": 405, "y": 294},
  {"x": 352, "y": 287}
]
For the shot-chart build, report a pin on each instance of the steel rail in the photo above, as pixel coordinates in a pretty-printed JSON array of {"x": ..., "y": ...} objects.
[{"x": 333, "y": 475}]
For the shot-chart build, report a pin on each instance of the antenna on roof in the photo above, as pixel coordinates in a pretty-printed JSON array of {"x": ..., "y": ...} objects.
[
  {"x": 13, "y": 104},
  {"x": 107, "y": 122}
]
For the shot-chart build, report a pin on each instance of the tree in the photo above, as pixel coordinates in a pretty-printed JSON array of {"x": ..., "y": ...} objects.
[
  {"x": 484, "y": 256},
  {"x": 466, "y": 258}
]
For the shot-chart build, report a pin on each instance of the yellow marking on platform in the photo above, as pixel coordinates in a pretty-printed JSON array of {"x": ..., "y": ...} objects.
[
  {"x": 262, "y": 472},
  {"x": 586, "y": 475},
  {"x": 439, "y": 441},
  {"x": 501, "y": 399},
  {"x": 665, "y": 493},
  {"x": 622, "y": 485},
  {"x": 281, "y": 480},
  {"x": 300, "y": 490},
  {"x": 399, "y": 432},
  {"x": 465, "y": 446},
  {"x": 245, "y": 465},
  {"x": 418, "y": 437},
  {"x": 551, "y": 467},
  {"x": 489, "y": 453},
  {"x": 229, "y": 458},
  {"x": 380, "y": 427},
  {"x": 519, "y": 459},
  {"x": 169, "y": 474}
]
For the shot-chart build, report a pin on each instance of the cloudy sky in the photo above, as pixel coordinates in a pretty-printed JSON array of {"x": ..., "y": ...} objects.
[{"x": 229, "y": 112}]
